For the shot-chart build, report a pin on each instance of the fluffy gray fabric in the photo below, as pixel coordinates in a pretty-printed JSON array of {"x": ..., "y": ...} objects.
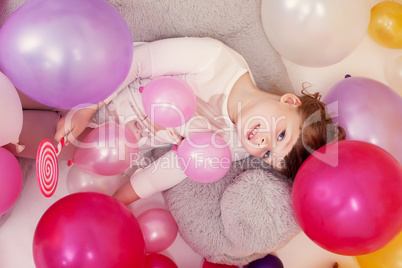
[
  {"x": 248, "y": 213},
  {"x": 238, "y": 219}
]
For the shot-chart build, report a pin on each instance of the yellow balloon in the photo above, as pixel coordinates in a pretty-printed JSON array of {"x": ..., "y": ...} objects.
[
  {"x": 385, "y": 25},
  {"x": 388, "y": 257}
]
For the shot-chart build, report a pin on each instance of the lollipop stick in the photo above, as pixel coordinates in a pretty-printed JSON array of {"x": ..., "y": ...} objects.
[{"x": 61, "y": 145}]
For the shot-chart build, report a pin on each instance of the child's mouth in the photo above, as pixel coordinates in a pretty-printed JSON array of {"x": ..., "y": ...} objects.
[{"x": 252, "y": 132}]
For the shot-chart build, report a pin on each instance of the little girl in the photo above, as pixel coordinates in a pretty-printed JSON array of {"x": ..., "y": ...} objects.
[{"x": 251, "y": 121}]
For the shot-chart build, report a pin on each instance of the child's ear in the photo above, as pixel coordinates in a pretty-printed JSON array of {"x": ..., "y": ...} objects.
[{"x": 291, "y": 99}]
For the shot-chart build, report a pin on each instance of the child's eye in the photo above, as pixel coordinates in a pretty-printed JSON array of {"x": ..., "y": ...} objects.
[
  {"x": 267, "y": 154},
  {"x": 282, "y": 135}
]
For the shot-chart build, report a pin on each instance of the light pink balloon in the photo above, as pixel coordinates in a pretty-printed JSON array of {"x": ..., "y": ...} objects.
[
  {"x": 10, "y": 180},
  {"x": 10, "y": 112},
  {"x": 80, "y": 180},
  {"x": 108, "y": 150},
  {"x": 169, "y": 101},
  {"x": 204, "y": 157},
  {"x": 159, "y": 229}
]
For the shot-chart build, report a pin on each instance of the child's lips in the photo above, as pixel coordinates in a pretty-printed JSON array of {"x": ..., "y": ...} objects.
[{"x": 251, "y": 134}]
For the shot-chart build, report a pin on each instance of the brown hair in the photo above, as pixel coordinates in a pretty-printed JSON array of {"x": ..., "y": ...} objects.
[{"x": 317, "y": 130}]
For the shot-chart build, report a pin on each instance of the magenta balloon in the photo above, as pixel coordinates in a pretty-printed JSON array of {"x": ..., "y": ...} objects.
[
  {"x": 10, "y": 180},
  {"x": 88, "y": 230},
  {"x": 66, "y": 52},
  {"x": 158, "y": 261},
  {"x": 204, "y": 157},
  {"x": 107, "y": 150},
  {"x": 353, "y": 207},
  {"x": 169, "y": 101},
  {"x": 159, "y": 229},
  {"x": 369, "y": 111}
]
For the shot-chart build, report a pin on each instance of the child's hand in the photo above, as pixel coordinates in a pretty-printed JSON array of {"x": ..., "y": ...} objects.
[{"x": 74, "y": 123}]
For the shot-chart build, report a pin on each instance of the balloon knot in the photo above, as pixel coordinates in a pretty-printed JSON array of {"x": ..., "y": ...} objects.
[
  {"x": 141, "y": 89},
  {"x": 175, "y": 147},
  {"x": 348, "y": 76},
  {"x": 19, "y": 148}
]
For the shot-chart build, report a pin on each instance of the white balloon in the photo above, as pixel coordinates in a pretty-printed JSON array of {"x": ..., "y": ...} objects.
[
  {"x": 315, "y": 33},
  {"x": 393, "y": 74},
  {"x": 80, "y": 180},
  {"x": 10, "y": 112}
]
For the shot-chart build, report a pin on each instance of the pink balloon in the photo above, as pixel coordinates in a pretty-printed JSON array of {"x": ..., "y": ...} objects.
[
  {"x": 204, "y": 157},
  {"x": 80, "y": 180},
  {"x": 65, "y": 53},
  {"x": 158, "y": 261},
  {"x": 159, "y": 229},
  {"x": 169, "y": 101},
  {"x": 10, "y": 180},
  {"x": 369, "y": 111},
  {"x": 10, "y": 112},
  {"x": 88, "y": 230},
  {"x": 347, "y": 197},
  {"x": 107, "y": 150}
]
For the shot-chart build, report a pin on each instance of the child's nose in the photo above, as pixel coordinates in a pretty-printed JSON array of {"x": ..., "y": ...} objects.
[{"x": 263, "y": 142}]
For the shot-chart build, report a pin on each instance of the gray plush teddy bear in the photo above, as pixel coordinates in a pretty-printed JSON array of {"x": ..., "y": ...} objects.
[{"x": 248, "y": 213}]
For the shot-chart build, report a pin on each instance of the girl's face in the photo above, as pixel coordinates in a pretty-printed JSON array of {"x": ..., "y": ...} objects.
[{"x": 268, "y": 128}]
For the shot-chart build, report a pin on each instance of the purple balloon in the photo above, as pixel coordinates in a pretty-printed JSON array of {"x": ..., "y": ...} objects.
[
  {"x": 204, "y": 157},
  {"x": 369, "y": 111},
  {"x": 66, "y": 52},
  {"x": 169, "y": 101},
  {"x": 269, "y": 261}
]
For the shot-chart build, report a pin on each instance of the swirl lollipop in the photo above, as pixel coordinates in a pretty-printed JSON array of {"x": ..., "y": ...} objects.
[{"x": 47, "y": 167}]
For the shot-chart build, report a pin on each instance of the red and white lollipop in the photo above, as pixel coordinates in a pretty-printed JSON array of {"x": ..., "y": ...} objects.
[{"x": 47, "y": 167}]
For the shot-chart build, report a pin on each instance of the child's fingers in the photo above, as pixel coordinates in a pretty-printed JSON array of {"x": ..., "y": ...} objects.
[
  {"x": 60, "y": 131},
  {"x": 72, "y": 136}
]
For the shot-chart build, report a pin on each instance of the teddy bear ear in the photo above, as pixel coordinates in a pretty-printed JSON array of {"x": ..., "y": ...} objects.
[{"x": 257, "y": 211}]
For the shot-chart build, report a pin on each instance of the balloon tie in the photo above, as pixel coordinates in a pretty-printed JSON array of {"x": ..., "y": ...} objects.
[{"x": 18, "y": 147}]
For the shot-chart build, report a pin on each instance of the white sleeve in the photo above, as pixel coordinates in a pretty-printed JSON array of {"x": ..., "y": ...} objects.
[
  {"x": 173, "y": 56},
  {"x": 160, "y": 175}
]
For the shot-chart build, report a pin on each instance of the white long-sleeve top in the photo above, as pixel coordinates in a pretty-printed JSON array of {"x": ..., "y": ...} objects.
[{"x": 211, "y": 69}]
